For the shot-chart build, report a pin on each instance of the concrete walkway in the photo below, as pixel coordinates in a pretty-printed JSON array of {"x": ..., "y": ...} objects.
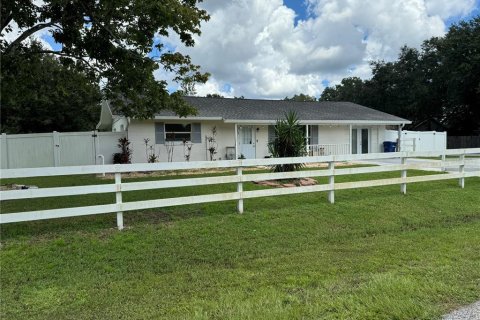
[{"x": 471, "y": 312}]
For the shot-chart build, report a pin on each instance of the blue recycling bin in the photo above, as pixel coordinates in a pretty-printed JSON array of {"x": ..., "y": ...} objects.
[{"x": 389, "y": 146}]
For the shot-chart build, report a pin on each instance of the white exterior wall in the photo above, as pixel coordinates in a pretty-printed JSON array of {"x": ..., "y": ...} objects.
[
  {"x": 139, "y": 130},
  {"x": 327, "y": 134},
  {"x": 333, "y": 134},
  {"x": 261, "y": 146},
  {"x": 119, "y": 124},
  {"x": 340, "y": 134},
  {"x": 376, "y": 136}
]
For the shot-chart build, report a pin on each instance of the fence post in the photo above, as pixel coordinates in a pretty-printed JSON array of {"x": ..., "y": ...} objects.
[
  {"x": 331, "y": 181},
  {"x": 118, "y": 196},
  {"x": 56, "y": 149},
  {"x": 240, "y": 190},
  {"x": 403, "y": 186},
  {"x": 444, "y": 157},
  {"x": 4, "y": 150},
  {"x": 461, "y": 170}
]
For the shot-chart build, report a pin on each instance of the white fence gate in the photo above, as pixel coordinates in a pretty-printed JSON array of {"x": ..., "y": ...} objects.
[
  {"x": 419, "y": 140},
  {"x": 58, "y": 149}
]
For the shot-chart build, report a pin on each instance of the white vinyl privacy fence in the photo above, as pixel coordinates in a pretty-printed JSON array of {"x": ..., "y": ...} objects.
[
  {"x": 419, "y": 140},
  {"x": 58, "y": 149},
  {"x": 118, "y": 187}
]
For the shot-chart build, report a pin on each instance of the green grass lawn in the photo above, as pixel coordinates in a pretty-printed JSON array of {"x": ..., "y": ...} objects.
[{"x": 374, "y": 254}]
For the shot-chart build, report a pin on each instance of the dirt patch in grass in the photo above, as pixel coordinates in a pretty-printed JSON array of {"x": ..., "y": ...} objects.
[{"x": 287, "y": 183}]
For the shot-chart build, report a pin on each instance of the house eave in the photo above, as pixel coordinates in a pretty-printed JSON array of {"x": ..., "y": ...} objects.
[
  {"x": 324, "y": 122},
  {"x": 188, "y": 118}
]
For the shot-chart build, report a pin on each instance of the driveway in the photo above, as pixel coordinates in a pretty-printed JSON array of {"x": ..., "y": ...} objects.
[{"x": 471, "y": 164}]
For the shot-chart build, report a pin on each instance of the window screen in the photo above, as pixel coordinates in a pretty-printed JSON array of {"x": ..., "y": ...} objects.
[{"x": 178, "y": 132}]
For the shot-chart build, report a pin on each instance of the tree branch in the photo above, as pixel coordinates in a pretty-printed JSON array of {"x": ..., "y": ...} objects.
[
  {"x": 27, "y": 33},
  {"x": 63, "y": 54}
]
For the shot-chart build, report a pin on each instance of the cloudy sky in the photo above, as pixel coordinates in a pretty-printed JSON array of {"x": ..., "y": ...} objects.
[
  {"x": 278, "y": 48},
  {"x": 275, "y": 48}
]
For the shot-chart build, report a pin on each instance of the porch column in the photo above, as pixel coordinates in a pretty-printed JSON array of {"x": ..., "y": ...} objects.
[
  {"x": 399, "y": 136},
  {"x": 306, "y": 140},
  {"x": 236, "y": 142}
]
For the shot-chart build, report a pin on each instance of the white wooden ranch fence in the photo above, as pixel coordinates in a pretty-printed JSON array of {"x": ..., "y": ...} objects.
[{"x": 118, "y": 187}]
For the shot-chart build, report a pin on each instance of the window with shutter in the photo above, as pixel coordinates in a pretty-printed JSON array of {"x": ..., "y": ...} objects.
[
  {"x": 271, "y": 133},
  {"x": 196, "y": 133},
  {"x": 159, "y": 133}
]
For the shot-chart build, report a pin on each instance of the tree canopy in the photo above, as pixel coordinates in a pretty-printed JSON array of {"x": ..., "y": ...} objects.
[
  {"x": 214, "y": 95},
  {"x": 116, "y": 42},
  {"x": 39, "y": 94},
  {"x": 301, "y": 97},
  {"x": 439, "y": 81}
]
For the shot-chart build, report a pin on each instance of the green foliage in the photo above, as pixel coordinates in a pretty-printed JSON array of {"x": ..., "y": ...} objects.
[
  {"x": 125, "y": 156},
  {"x": 289, "y": 141},
  {"x": 39, "y": 94},
  {"x": 214, "y": 95},
  {"x": 350, "y": 89},
  {"x": 301, "y": 97},
  {"x": 440, "y": 81},
  {"x": 112, "y": 41}
]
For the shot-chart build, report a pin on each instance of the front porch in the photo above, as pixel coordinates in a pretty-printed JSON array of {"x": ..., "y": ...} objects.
[
  {"x": 251, "y": 140},
  {"x": 328, "y": 149}
]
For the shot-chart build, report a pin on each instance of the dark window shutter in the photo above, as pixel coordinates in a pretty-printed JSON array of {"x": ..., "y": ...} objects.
[
  {"x": 159, "y": 133},
  {"x": 313, "y": 134},
  {"x": 196, "y": 133},
  {"x": 271, "y": 133}
]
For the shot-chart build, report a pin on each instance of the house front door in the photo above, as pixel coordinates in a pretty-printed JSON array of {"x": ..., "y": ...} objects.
[
  {"x": 247, "y": 142},
  {"x": 360, "y": 141}
]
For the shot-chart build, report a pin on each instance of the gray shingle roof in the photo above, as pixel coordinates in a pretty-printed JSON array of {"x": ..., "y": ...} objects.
[{"x": 271, "y": 110}]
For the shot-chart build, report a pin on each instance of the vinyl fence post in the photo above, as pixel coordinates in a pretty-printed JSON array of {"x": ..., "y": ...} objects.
[
  {"x": 444, "y": 157},
  {"x": 118, "y": 196},
  {"x": 331, "y": 181},
  {"x": 461, "y": 170},
  {"x": 4, "y": 152},
  {"x": 56, "y": 148},
  {"x": 403, "y": 186},
  {"x": 240, "y": 190}
]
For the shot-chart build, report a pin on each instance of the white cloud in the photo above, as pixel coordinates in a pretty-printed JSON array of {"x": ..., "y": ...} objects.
[
  {"x": 449, "y": 8},
  {"x": 256, "y": 47}
]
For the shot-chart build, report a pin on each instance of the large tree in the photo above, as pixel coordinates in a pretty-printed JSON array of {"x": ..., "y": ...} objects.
[
  {"x": 114, "y": 41},
  {"x": 39, "y": 94},
  {"x": 441, "y": 81},
  {"x": 350, "y": 89}
]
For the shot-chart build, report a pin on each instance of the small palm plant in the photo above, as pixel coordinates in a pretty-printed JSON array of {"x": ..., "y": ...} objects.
[{"x": 289, "y": 142}]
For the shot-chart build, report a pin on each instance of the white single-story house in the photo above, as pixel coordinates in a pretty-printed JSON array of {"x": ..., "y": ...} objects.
[{"x": 245, "y": 126}]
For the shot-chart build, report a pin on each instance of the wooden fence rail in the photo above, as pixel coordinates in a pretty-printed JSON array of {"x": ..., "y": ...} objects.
[{"x": 118, "y": 187}]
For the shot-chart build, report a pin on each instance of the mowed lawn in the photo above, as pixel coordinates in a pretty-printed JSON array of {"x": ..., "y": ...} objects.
[{"x": 374, "y": 254}]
